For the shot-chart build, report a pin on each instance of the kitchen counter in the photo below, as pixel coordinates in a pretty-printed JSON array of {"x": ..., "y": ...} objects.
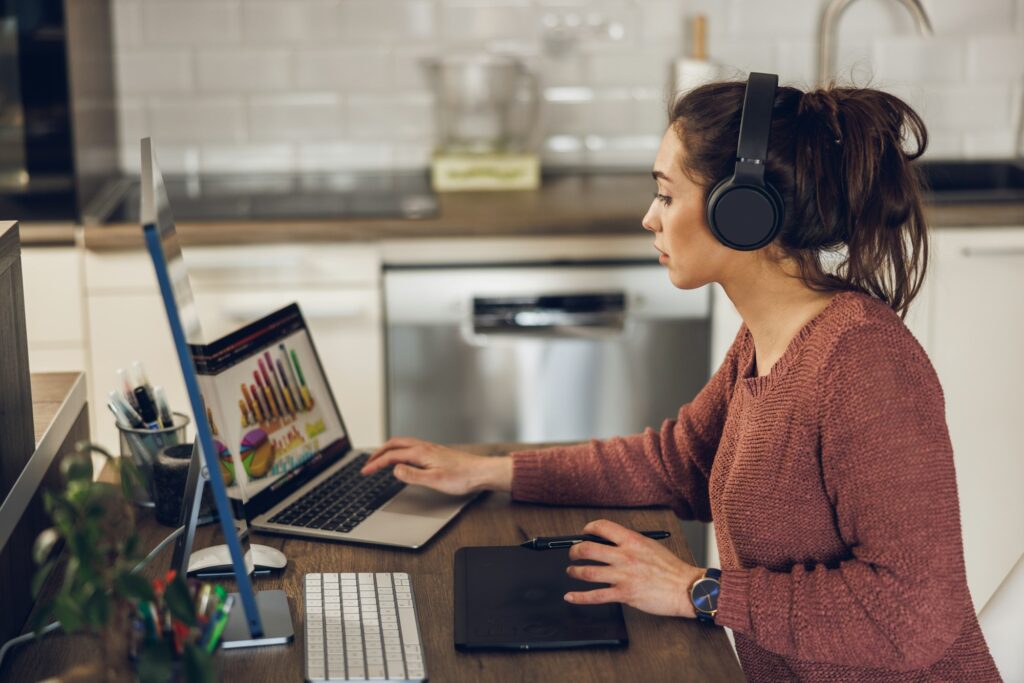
[{"x": 566, "y": 205}]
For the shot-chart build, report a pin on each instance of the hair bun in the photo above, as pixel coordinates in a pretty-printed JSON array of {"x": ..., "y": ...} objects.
[{"x": 823, "y": 104}]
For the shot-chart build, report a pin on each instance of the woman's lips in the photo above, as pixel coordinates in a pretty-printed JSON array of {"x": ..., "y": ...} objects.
[{"x": 662, "y": 256}]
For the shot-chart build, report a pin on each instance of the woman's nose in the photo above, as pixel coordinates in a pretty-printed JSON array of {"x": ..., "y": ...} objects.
[{"x": 649, "y": 222}]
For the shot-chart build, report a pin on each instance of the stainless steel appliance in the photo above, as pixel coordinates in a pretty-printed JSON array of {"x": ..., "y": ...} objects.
[
  {"x": 541, "y": 353},
  {"x": 58, "y": 119},
  {"x": 485, "y": 103}
]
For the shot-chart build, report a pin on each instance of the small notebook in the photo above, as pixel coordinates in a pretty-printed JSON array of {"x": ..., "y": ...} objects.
[{"x": 507, "y": 597}]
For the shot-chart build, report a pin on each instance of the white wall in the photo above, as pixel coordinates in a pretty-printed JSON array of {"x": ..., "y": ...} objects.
[{"x": 267, "y": 85}]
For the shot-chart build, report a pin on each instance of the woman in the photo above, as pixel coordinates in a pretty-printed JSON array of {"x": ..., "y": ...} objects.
[{"x": 819, "y": 447}]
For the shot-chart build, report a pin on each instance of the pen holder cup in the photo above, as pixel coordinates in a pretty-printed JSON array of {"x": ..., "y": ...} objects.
[{"x": 143, "y": 445}]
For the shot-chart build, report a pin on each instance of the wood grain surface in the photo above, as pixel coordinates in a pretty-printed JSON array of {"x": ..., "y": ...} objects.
[{"x": 660, "y": 648}]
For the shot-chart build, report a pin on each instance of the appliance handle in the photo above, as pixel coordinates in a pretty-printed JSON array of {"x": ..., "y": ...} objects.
[{"x": 562, "y": 315}]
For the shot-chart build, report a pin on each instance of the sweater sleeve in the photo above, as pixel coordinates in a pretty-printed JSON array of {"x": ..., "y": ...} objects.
[
  {"x": 669, "y": 466},
  {"x": 897, "y": 601}
]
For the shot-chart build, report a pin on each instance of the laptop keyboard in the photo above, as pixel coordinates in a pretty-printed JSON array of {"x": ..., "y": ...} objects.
[
  {"x": 343, "y": 500},
  {"x": 362, "y": 627}
]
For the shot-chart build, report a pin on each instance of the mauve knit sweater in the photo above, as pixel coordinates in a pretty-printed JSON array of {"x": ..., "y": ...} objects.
[{"x": 831, "y": 484}]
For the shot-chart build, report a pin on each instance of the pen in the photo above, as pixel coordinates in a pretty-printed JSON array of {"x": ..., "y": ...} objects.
[
  {"x": 550, "y": 542},
  {"x": 133, "y": 419},
  {"x": 163, "y": 409}
]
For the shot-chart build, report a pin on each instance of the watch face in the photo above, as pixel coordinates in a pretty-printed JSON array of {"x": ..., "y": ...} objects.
[{"x": 705, "y": 595}]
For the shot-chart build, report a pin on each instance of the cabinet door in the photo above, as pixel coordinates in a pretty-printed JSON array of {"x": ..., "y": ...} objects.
[
  {"x": 346, "y": 326},
  {"x": 53, "y": 308},
  {"x": 976, "y": 347}
]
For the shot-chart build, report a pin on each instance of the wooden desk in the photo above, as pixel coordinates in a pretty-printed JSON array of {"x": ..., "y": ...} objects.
[{"x": 660, "y": 649}]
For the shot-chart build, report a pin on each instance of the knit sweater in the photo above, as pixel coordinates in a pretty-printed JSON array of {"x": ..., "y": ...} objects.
[{"x": 831, "y": 484}]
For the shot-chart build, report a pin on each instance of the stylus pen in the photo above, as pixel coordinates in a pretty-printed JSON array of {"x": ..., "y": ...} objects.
[{"x": 549, "y": 542}]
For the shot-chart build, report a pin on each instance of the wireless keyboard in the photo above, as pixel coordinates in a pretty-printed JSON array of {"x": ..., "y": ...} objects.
[{"x": 362, "y": 627}]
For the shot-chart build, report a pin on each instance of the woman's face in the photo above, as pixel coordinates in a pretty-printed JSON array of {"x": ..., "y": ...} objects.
[{"x": 677, "y": 218}]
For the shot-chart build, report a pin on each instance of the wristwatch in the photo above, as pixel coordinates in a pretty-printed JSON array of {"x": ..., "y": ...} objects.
[{"x": 704, "y": 595}]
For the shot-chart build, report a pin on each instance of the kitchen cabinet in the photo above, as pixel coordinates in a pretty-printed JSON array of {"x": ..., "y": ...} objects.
[
  {"x": 975, "y": 344},
  {"x": 53, "y": 308},
  {"x": 337, "y": 287}
]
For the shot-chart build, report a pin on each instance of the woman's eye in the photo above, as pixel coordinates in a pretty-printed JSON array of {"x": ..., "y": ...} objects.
[{"x": 664, "y": 199}]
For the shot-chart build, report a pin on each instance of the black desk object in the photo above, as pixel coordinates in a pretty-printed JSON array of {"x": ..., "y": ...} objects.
[{"x": 510, "y": 597}]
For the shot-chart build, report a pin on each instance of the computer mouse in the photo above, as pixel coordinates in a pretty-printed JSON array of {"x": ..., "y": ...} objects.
[{"x": 216, "y": 559}]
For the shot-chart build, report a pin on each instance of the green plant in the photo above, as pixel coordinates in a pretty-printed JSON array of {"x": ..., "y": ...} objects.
[{"x": 100, "y": 589}]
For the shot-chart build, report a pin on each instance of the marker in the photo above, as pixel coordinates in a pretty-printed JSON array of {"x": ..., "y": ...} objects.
[
  {"x": 292, "y": 405},
  {"x": 260, "y": 403},
  {"x": 163, "y": 410},
  {"x": 307, "y": 399},
  {"x": 293, "y": 383},
  {"x": 119, "y": 417},
  {"x": 269, "y": 388},
  {"x": 132, "y": 417},
  {"x": 126, "y": 387},
  {"x": 219, "y": 621},
  {"x": 253, "y": 403},
  {"x": 271, "y": 404},
  {"x": 277, "y": 384},
  {"x": 147, "y": 411},
  {"x": 244, "y": 410},
  {"x": 141, "y": 380}
]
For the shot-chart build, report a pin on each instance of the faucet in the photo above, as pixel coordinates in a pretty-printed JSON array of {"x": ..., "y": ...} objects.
[{"x": 830, "y": 19}]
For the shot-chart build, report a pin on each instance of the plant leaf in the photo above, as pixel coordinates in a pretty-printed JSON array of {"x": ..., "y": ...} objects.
[
  {"x": 178, "y": 600},
  {"x": 134, "y": 586},
  {"x": 44, "y": 544},
  {"x": 40, "y": 577},
  {"x": 88, "y": 447},
  {"x": 198, "y": 665},
  {"x": 155, "y": 662},
  {"x": 41, "y": 617},
  {"x": 96, "y": 609},
  {"x": 67, "y": 613},
  {"x": 77, "y": 467}
]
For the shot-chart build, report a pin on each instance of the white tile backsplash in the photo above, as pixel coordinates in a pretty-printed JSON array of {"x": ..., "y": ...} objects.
[
  {"x": 155, "y": 72},
  {"x": 296, "y": 117},
  {"x": 914, "y": 59},
  {"x": 995, "y": 58},
  {"x": 337, "y": 84},
  {"x": 197, "y": 120},
  {"x": 242, "y": 70},
  {"x": 292, "y": 23},
  {"x": 344, "y": 69},
  {"x": 190, "y": 22}
]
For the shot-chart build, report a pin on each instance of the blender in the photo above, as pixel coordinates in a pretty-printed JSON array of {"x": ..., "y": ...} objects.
[{"x": 487, "y": 109}]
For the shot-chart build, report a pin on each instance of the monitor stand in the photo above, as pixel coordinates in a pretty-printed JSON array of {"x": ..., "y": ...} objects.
[{"x": 272, "y": 605}]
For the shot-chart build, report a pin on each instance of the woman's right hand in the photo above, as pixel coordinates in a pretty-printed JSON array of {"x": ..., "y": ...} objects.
[{"x": 441, "y": 468}]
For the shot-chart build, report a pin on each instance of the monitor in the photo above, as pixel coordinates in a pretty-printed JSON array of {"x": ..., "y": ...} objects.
[{"x": 176, "y": 292}]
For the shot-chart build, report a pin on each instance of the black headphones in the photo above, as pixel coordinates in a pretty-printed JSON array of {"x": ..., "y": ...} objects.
[{"x": 745, "y": 212}]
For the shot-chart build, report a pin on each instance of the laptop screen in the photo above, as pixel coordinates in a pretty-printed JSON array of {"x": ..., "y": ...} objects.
[{"x": 275, "y": 421}]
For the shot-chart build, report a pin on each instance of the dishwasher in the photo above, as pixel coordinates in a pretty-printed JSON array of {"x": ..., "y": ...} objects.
[{"x": 542, "y": 352}]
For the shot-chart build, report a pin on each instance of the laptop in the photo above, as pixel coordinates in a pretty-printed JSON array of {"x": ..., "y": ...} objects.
[{"x": 284, "y": 451}]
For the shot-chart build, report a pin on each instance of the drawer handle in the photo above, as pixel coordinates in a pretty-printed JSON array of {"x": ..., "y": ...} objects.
[{"x": 990, "y": 252}]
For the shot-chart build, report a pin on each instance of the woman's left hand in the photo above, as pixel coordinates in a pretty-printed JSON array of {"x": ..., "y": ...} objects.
[{"x": 642, "y": 572}]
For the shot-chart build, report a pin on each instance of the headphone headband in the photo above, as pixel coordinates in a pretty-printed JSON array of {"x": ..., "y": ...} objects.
[{"x": 756, "y": 124}]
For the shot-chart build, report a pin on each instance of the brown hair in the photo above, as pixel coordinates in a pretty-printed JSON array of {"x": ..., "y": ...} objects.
[{"x": 837, "y": 157}]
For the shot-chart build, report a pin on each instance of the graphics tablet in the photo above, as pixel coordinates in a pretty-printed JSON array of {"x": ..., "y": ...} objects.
[{"x": 507, "y": 597}]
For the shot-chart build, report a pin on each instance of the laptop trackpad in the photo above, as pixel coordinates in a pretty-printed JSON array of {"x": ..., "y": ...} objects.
[{"x": 423, "y": 502}]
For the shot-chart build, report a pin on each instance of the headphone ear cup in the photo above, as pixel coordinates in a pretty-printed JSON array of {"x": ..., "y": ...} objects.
[
  {"x": 713, "y": 197},
  {"x": 744, "y": 216}
]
